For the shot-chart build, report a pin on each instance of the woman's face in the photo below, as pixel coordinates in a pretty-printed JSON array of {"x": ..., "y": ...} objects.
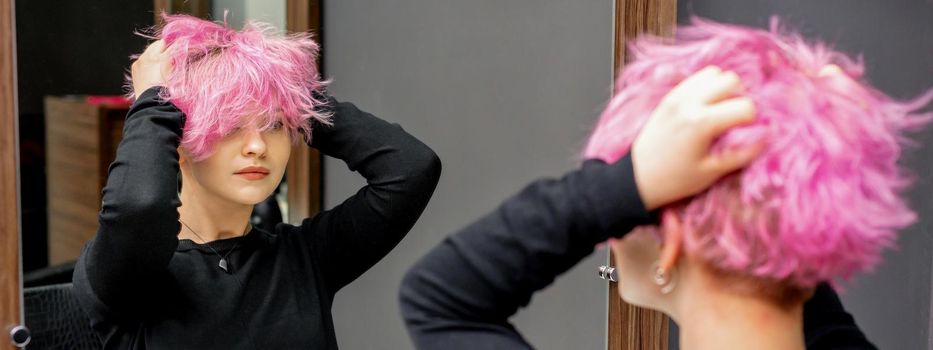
[
  {"x": 245, "y": 167},
  {"x": 635, "y": 259}
]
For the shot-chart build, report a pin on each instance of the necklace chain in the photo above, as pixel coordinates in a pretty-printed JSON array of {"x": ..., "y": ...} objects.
[{"x": 223, "y": 258}]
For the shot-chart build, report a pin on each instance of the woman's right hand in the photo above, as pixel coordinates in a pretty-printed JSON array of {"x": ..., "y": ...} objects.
[
  {"x": 150, "y": 68},
  {"x": 671, "y": 155}
]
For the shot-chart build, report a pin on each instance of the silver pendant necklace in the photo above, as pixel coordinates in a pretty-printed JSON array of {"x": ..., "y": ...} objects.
[{"x": 223, "y": 258}]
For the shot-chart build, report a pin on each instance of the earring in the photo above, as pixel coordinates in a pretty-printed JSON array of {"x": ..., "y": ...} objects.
[{"x": 666, "y": 280}]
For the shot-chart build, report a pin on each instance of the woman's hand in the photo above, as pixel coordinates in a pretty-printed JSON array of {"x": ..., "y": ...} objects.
[
  {"x": 671, "y": 154},
  {"x": 150, "y": 68}
]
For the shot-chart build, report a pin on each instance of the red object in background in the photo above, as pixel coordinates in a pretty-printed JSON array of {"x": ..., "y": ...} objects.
[{"x": 108, "y": 100}]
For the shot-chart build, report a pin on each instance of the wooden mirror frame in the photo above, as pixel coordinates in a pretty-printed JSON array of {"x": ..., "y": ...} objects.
[
  {"x": 305, "y": 167},
  {"x": 631, "y": 327},
  {"x": 11, "y": 300}
]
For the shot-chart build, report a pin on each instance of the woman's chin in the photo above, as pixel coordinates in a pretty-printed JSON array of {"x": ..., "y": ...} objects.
[{"x": 250, "y": 197}]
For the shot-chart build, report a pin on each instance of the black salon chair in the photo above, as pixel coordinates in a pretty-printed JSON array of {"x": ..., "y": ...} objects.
[{"x": 56, "y": 321}]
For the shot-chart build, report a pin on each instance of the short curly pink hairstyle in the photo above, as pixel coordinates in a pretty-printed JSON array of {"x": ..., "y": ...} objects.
[
  {"x": 223, "y": 78},
  {"x": 823, "y": 199}
]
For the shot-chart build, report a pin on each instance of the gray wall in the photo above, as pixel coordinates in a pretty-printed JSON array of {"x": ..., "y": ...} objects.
[
  {"x": 892, "y": 304},
  {"x": 504, "y": 92}
]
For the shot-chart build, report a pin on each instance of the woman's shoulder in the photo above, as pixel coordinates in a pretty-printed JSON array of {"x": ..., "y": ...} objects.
[{"x": 283, "y": 232}]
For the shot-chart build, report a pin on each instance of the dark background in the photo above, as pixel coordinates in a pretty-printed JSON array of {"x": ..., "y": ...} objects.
[{"x": 65, "y": 48}]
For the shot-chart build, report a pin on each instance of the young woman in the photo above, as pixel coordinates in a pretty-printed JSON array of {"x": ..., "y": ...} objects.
[
  {"x": 732, "y": 264},
  {"x": 172, "y": 269}
]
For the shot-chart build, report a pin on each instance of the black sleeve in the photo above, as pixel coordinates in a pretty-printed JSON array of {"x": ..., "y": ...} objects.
[
  {"x": 138, "y": 222},
  {"x": 462, "y": 293},
  {"x": 827, "y": 325},
  {"x": 401, "y": 173}
]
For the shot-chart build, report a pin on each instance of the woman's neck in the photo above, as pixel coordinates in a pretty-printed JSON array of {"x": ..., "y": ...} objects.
[
  {"x": 718, "y": 319},
  {"x": 208, "y": 218}
]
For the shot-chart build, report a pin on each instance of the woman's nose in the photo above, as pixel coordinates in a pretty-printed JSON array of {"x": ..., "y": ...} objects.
[{"x": 254, "y": 144}]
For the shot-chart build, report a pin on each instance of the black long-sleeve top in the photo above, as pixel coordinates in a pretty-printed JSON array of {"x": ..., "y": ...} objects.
[
  {"x": 463, "y": 292},
  {"x": 145, "y": 289}
]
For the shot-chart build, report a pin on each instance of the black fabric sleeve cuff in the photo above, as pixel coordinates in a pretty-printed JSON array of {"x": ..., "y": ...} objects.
[
  {"x": 616, "y": 185},
  {"x": 152, "y": 97}
]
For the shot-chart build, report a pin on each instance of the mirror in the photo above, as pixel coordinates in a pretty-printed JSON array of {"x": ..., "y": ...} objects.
[{"x": 71, "y": 60}]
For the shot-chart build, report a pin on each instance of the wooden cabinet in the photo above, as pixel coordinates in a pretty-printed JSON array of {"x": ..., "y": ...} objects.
[{"x": 81, "y": 141}]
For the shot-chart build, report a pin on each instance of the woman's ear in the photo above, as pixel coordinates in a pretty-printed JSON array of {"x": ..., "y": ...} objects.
[
  {"x": 673, "y": 240},
  {"x": 182, "y": 156}
]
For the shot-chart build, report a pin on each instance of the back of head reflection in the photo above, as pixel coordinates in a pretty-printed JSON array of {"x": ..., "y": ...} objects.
[
  {"x": 737, "y": 250},
  {"x": 819, "y": 204}
]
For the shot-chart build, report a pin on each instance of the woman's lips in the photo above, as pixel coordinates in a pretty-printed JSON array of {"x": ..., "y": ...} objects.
[
  {"x": 252, "y": 176},
  {"x": 253, "y": 173}
]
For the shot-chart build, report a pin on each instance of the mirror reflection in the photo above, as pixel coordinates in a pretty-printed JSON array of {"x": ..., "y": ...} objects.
[
  {"x": 70, "y": 75},
  {"x": 72, "y": 105}
]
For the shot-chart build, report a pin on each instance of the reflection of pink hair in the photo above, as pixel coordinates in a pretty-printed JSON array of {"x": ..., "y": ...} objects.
[
  {"x": 823, "y": 199},
  {"x": 221, "y": 75}
]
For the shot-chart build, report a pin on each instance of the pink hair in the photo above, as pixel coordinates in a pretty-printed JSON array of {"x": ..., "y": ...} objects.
[
  {"x": 823, "y": 199},
  {"x": 223, "y": 78}
]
